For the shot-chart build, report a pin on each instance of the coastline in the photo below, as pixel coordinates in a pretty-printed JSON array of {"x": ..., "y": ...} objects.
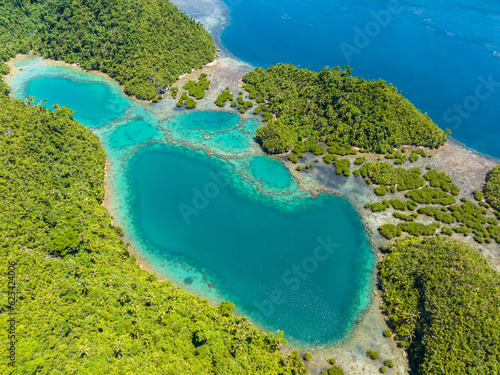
[
  {"x": 367, "y": 333},
  {"x": 11, "y": 63}
]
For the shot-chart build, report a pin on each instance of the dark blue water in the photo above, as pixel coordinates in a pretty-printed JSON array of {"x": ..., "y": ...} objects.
[{"x": 444, "y": 55}]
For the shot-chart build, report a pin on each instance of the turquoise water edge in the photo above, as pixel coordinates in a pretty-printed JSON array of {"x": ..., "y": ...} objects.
[{"x": 231, "y": 226}]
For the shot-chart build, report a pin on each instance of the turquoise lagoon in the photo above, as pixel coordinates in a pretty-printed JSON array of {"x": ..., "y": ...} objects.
[{"x": 216, "y": 215}]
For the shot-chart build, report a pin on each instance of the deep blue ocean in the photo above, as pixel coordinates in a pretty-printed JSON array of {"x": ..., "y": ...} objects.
[{"x": 443, "y": 55}]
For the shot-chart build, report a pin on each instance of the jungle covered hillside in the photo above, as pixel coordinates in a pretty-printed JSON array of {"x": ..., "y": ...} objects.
[
  {"x": 492, "y": 188},
  {"x": 338, "y": 108},
  {"x": 443, "y": 303},
  {"x": 143, "y": 44}
]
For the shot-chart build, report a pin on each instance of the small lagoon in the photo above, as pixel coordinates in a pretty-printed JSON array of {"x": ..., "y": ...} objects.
[{"x": 203, "y": 205}]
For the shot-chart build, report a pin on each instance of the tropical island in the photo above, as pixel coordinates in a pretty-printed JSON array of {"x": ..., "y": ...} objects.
[{"x": 93, "y": 310}]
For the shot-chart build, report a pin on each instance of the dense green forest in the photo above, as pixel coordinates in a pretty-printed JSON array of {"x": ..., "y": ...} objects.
[
  {"x": 443, "y": 303},
  {"x": 83, "y": 305},
  {"x": 143, "y": 44},
  {"x": 492, "y": 187},
  {"x": 338, "y": 108}
]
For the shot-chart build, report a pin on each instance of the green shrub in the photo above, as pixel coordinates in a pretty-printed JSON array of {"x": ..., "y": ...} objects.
[
  {"x": 299, "y": 168},
  {"x": 398, "y": 204},
  {"x": 404, "y": 217},
  {"x": 463, "y": 230},
  {"x": 438, "y": 214},
  {"x": 383, "y": 369},
  {"x": 419, "y": 229},
  {"x": 442, "y": 181},
  {"x": 447, "y": 231},
  {"x": 359, "y": 160},
  {"x": 378, "y": 206},
  {"x": 293, "y": 158},
  {"x": 390, "y": 231},
  {"x": 309, "y": 165},
  {"x": 332, "y": 361},
  {"x": 341, "y": 150},
  {"x": 174, "y": 91},
  {"x": 317, "y": 150},
  {"x": 335, "y": 370},
  {"x": 384, "y": 173},
  {"x": 389, "y": 363},
  {"x": 328, "y": 159},
  {"x": 473, "y": 217},
  {"x": 420, "y": 152},
  {"x": 224, "y": 97},
  {"x": 478, "y": 196},
  {"x": 387, "y": 333},
  {"x": 190, "y": 103},
  {"x": 342, "y": 166},
  {"x": 372, "y": 354},
  {"x": 429, "y": 195},
  {"x": 307, "y": 356},
  {"x": 380, "y": 191}
]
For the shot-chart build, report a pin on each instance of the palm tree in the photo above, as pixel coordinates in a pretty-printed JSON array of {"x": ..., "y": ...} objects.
[
  {"x": 136, "y": 331},
  {"x": 84, "y": 350},
  {"x": 84, "y": 288},
  {"x": 124, "y": 298},
  {"x": 118, "y": 349}
]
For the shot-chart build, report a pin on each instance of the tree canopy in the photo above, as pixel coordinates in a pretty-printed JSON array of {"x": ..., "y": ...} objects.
[
  {"x": 339, "y": 108},
  {"x": 492, "y": 187},
  {"x": 143, "y": 44},
  {"x": 443, "y": 302}
]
